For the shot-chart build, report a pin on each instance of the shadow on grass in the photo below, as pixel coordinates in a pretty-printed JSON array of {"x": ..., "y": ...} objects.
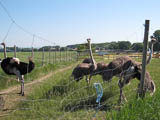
[
  {"x": 81, "y": 103},
  {"x": 89, "y": 103},
  {"x": 11, "y": 93}
]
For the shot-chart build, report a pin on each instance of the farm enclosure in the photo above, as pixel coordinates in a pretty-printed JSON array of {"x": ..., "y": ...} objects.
[{"x": 62, "y": 98}]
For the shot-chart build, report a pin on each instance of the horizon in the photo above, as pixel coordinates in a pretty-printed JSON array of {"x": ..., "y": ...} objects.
[
  {"x": 63, "y": 23},
  {"x": 64, "y": 46}
]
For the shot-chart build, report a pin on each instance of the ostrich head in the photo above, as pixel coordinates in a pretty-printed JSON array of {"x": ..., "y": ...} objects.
[
  {"x": 153, "y": 40},
  {"x": 149, "y": 83},
  {"x": 30, "y": 58},
  {"x": 3, "y": 43},
  {"x": 88, "y": 39}
]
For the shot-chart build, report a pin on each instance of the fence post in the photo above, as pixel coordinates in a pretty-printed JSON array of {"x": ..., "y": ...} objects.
[
  {"x": 77, "y": 55},
  {"x": 55, "y": 56},
  {"x": 66, "y": 55},
  {"x": 60, "y": 56},
  {"x": 146, "y": 33},
  {"x": 15, "y": 55},
  {"x": 32, "y": 52},
  {"x": 43, "y": 57},
  {"x": 49, "y": 55},
  {"x": 69, "y": 55}
]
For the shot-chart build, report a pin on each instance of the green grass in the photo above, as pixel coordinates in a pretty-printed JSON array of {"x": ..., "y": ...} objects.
[
  {"x": 62, "y": 98},
  {"x": 40, "y": 70}
]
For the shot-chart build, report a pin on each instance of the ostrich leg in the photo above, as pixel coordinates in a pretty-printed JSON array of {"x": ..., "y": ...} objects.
[
  {"x": 87, "y": 80},
  {"x": 21, "y": 78},
  {"x": 22, "y": 85},
  {"x": 90, "y": 76},
  {"x": 120, "y": 87},
  {"x": 121, "y": 84}
]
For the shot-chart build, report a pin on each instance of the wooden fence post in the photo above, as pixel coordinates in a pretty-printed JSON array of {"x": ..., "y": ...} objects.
[
  {"x": 49, "y": 55},
  {"x": 43, "y": 57},
  {"x": 60, "y": 56},
  {"x": 145, "y": 42},
  {"x": 32, "y": 52},
  {"x": 55, "y": 56},
  {"x": 77, "y": 55},
  {"x": 15, "y": 55},
  {"x": 69, "y": 55},
  {"x": 66, "y": 55}
]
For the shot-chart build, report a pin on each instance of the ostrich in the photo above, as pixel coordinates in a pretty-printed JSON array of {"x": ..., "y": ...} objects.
[
  {"x": 100, "y": 66},
  {"x": 126, "y": 68},
  {"x": 13, "y": 66},
  {"x": 85, "y": 68}
]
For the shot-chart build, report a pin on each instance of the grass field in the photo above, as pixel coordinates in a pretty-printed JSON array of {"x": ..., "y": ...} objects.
[
  {"x": 42, "y": 67},
  {"x": 62, "y": 98}
]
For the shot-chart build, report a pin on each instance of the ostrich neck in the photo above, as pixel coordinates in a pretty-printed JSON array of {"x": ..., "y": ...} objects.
[
  {"x": 91, "y": 54},
  {"x": 150, "y": 54},
  {"x": 31, "y": 66},
  {"x": 5, "y": 54}
]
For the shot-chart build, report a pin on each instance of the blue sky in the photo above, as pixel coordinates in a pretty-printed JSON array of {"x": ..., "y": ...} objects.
[{"x": 67, "y": 22}]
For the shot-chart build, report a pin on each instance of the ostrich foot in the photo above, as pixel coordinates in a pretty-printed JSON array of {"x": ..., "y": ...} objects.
[
  {"x": 125, "y": 99},
  {"x": 21, "y": 93},
  {"x": 88, "y": 81},
  {"x": 18, "y": 79},
  {"x": 120, "y": 101}
]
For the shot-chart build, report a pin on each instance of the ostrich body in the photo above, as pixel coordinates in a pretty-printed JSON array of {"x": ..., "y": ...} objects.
[
  {"x": 81, "y": 70},
  {"x": 126, "y": 68},
  {"x": 87, "y": 60},
  {"x": 9, "y": 67},
  {"x": 85, "y": 68},
  {"x": 13, "y": 66}
]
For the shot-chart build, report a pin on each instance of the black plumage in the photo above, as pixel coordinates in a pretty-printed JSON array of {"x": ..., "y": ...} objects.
[{"x": 13, "y": 66}]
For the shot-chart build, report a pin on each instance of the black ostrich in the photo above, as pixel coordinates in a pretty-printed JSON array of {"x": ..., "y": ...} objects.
[{"x": 13, "y": 66}]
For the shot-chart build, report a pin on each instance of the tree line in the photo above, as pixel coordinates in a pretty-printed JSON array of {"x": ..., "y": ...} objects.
[
  {"x": 120, "y": 45},
  {"x": 123, "y": 45}
]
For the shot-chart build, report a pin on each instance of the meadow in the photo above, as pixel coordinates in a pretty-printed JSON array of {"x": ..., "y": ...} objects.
[
  {"x": 44, "y": 63},
  {"x": 62, "y": 98}
]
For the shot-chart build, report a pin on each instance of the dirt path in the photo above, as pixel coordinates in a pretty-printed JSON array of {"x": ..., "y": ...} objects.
[{"x": 11, "y": 97}]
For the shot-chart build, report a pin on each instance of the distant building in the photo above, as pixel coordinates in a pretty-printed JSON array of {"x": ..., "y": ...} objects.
[{"x": 101, "y": 53}]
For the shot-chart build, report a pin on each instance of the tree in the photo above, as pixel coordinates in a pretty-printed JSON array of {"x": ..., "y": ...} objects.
[
  {"x": 113, "y": 45},
  {"x": 124, "y": 45},
  {"x": 82, "y": 47},
  {"x": 137, "y": 47}
]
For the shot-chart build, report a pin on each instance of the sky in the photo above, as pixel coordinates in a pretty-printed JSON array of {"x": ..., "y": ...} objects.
[{"x": 66, "y": 22}]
